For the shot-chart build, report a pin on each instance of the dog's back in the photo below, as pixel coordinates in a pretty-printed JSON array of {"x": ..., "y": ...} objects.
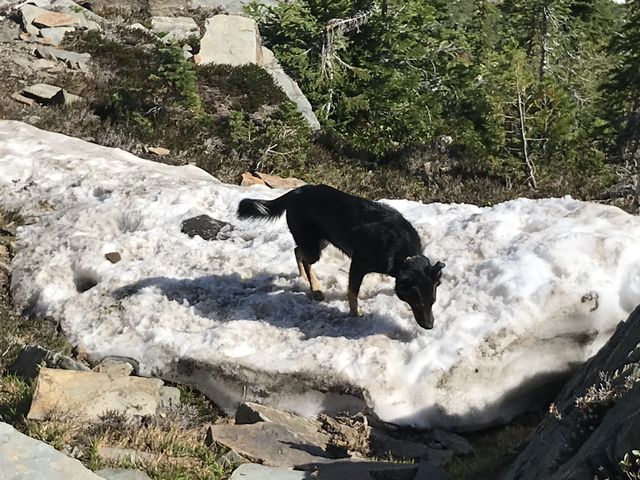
[{"x": 357, "y": 226}]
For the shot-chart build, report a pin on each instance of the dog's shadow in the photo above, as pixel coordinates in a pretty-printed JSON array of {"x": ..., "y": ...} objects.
[{"x": 226, "y": 298}]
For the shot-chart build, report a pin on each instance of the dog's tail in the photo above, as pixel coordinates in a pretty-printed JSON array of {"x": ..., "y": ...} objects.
[{"x": 262, "y": 209}]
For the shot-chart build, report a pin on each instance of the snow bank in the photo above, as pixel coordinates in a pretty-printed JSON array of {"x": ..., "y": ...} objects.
[{"x": 531, "y": 288}]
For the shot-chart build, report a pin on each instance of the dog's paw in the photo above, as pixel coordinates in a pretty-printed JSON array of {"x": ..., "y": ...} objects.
[{"x": 317, "y": 295}]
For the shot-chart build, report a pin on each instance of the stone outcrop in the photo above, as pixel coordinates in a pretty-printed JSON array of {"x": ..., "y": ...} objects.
[
  {"x": 231, "y": 40},
  {"x": 23, "y": 458},
  {"x": 88, "y": 395},
  {"x": 235, "y": 40},
  {"x": 594, "y": 421},
  {"x": 174, "y": 28}
]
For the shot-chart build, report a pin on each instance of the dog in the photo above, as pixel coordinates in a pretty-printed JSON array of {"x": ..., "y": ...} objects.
[{"x": 375, "y": 236}]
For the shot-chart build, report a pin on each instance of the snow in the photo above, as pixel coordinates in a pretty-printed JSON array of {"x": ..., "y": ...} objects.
[{"x": 531, "y": 289}]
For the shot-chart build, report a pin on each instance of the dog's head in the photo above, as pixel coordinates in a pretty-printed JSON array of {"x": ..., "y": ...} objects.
[{"x": 416, "y": 284}]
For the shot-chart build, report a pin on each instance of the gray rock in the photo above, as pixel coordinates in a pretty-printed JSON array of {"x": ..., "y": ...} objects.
[
  {"x": 88, "y": 395},
  {"x": 594, "y": 421},
  {"x": 122, "y": 474},
  {"x": 230, "y": 6},
  {"x": 33, "y": 356},
  {"x": 49, "y": 94},
  {"x": 28, "y": 14},
  {"x": 367, "y": 470},
  {"x": 72, "y": 59},
  {"x": 438, "y": 458},
  {"x": 175, "y": 28},
  {"x": 23, "y": 458},
  {"x": 44, "y": 93},
  {"x": 382, "y": 444},
  {"x": 22, "y": 99},
  {"x": 272, "y": 444},
  {"x": 252, "y": 471},
  {"x": 460, "y": 446},
  {"x": 167, "y": 7},
  {"x": 169, "y": 397},
  {"x": 206, "y": 227},
  {"x": 290, "y": 88},
  {"x": 9, "y": 34},
  {"x": 231, "y": 459},
  {"x": 114, "y": 368},
  {"x": 231, "y": 40},
  {"x": 56, "y": 34},
  {"x": 113, "y": 257}
]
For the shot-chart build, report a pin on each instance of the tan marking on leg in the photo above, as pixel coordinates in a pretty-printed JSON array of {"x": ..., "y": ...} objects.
[
  {"x": 307, "y": 273},
  {"x": 300, "y": 263}
]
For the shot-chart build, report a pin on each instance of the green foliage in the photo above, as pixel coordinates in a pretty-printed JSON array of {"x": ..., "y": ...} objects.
[{"x": 409, "y": 72}]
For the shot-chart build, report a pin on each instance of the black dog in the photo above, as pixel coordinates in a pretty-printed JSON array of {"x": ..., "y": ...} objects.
[{"x": 376, "y": 237}]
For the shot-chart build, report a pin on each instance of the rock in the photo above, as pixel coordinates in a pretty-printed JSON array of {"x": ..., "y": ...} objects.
[
  {"x": 22, "y": 99},
  {"x": 460, "y": 446},
  {"x": 175, "y": 28},
  {"x": 252, "y": 471},
  {"x": 49, "y": 94},
  {"x": 594, "y": 421},
  {"x": 55, "y": 35},
  {"x": 122, "y": 474},
  {"x": 272, "y": 181},
  {"x": 88, "y": 395},
  {"x": 32, "y": 357},
  {"x": 23, "y": 458},
  {"x": 44, "y": 93},
  {"x": 163, "y": 152},
  {"x": 369, "y": 470},
  {"x": 9, "y": 34},
  {"x": 383, "y": 445},
  {"x": 272, "y": 444},
  {"x": 54, "y": 19},
  {"x": 113, "y": 257},
  {"x": 169, "y": 397},
  {"x": 124, "y": 455},
  {"x": 290, "y": 87},
  {"x": 43, "y": 64},
  {"x": 72, "y": 59},
  {"x": 438, "y": 458},
  {"x": 28, "y": 14},
  {"x": 114, "y": 368},
  {"x": 230, "y": 39},
  {"x": 231, "y": 6},
  {"x": 231, "y": 459},
  {"x": 167, "y": 7},
  {"x": 206, "y": 227}
]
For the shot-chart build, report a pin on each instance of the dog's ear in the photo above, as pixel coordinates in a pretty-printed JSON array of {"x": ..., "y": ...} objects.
[{"x": 436, "y": 272}]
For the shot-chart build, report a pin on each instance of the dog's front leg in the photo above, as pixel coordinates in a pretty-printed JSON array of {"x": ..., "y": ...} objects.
[{"x": 356, "y": 274}]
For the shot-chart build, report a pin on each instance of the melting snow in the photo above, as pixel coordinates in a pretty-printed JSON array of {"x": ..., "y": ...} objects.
[{"x": 531, "y": 288}]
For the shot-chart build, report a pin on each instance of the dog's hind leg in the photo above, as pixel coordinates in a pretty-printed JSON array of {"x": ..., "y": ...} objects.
[
  {"x": 304, "y": 267},
  {"x": 356, "y": 275}
]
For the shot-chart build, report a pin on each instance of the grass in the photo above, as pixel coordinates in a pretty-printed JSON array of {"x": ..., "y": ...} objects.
[{"x": 493, "y": 450}]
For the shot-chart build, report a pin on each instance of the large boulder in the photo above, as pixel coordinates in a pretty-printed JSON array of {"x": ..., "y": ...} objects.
[
  {"x": 230, "y": 39},
  {"x": 24, "y": 458},
  {"x": 594, "y": 422}
]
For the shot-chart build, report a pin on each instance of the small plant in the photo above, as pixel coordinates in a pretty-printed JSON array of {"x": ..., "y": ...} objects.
[{"x": 630, "y": 465}]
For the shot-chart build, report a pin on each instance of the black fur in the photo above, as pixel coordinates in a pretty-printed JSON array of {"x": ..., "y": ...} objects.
[{"x": 376, "y": 237}]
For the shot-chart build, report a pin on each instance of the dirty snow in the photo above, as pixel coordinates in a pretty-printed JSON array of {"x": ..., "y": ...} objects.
[{"x": 531, "y": 288}]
